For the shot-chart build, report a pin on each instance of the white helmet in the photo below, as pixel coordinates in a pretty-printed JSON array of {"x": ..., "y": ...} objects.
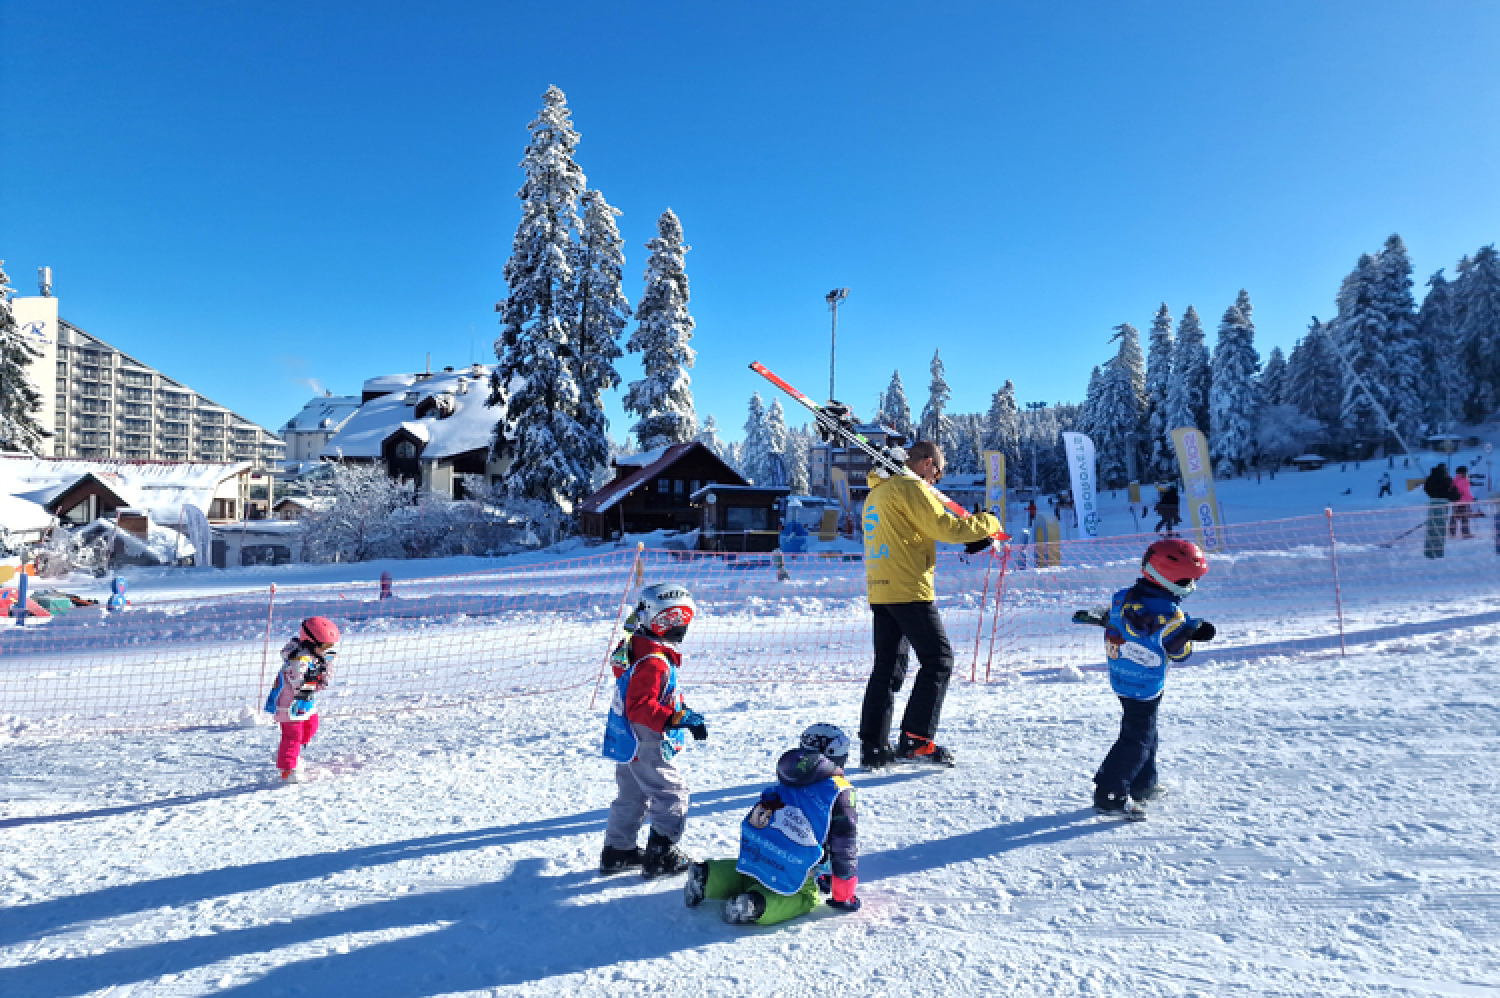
[
  {"x": 828, "y": 739},
  {"x": 665, "y": 611}
]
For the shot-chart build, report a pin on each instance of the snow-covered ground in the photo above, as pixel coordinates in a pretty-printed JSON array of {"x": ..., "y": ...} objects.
[{"x": 1330, "y": 831}]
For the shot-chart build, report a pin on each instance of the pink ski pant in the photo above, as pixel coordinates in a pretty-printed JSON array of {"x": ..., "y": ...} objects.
[{"x": 294, "y": 735}]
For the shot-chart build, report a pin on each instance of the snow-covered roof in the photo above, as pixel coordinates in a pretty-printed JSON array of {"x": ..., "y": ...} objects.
[
  {"x": 622, "y": 486},
  {"x": 325, "y": 412},
  {"x": 161, "y": 488},
  {"x": 640, "y": 460},
  {"x": 387, "y": 383},
  {"x": 20, "y": 515},
  {"x": 469, "y": 425}
]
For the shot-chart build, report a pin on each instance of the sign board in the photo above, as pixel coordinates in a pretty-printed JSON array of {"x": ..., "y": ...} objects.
[
  {"x": 994, "y": 483},
  {"x": 1200, "y": 504}
]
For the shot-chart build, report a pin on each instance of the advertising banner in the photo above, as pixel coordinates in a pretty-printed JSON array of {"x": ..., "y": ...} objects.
[
  {"x": 1200, "y": 504},
  {"x": 994, "y": 484},
  {"x": 36, "y": 325},
  {"x": 1080, "y": 450}
]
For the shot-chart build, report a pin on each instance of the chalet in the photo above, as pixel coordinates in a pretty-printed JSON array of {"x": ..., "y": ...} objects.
[{"x": 653, "y": 491}]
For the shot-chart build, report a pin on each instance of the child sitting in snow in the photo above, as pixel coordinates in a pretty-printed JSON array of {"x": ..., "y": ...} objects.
[
  {"x": 306, "y": 668},
  {"x": 803, "y": 825},
  {"x": 1145, "y": 631}
]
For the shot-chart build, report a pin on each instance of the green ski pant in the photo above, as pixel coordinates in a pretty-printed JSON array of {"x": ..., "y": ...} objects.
[{"x": 725, "y": 882}]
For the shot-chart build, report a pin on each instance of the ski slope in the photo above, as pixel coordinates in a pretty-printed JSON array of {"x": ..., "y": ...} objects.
[{"x": 1330, "y": 832}]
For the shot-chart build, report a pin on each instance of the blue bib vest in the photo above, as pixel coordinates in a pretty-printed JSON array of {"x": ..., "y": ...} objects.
[
  {"x": 780, "y": 848},
  {"x": 620, "y": 742},
  {"x": 1138, "y": 668}
]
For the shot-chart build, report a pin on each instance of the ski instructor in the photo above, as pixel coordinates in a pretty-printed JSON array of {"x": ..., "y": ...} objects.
[{"x": 903, "y": 520}]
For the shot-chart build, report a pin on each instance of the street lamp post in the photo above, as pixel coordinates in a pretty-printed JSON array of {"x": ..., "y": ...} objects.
[
  {"x": 833, "y": 298},
  {"x": 1034, "y": 406}
]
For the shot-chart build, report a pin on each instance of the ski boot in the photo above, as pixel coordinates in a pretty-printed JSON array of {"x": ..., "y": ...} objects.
[
  {"x": 915, "y": 748},
  {"x": 662, "y": 858},
  {"x": 1112, "y": 805},
  {"x": 1157, "y": 792},
  {"x": 873, "y": 757},
  {"x": 696, "y": 886},
  {"x": 743, "y": 909},
  {"x": 613, "y": 860}
]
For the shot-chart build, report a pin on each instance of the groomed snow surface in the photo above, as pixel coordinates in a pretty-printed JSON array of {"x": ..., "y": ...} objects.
[{"x": 1330, "y": 831}]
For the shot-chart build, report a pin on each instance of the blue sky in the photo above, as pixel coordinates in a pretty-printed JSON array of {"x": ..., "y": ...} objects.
[{"x": 256, "y": 196}]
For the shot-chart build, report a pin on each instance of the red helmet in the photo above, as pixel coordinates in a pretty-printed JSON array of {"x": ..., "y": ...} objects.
[
  {"x": 1175, "y": 564},
  {"x": 320, "y": 631}
]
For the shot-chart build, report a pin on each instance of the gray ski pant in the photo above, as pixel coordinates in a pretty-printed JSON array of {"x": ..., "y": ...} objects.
[{"x": 648, "y": 784}]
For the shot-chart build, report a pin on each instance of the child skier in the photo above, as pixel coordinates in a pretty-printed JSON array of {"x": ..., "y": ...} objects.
[
  {"x": 1145, "y": 631},
  {"x": 803, "y": 825},
  {"x": 644, "y": 731},
  {"x": 307, "y": 667}
]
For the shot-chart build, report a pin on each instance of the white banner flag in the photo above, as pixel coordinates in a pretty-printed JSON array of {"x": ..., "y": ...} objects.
[{"x": 1080, "y": 450}]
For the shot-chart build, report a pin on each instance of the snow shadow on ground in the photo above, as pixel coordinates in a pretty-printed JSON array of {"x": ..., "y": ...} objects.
[
  {"x": 463, "y": 938},
  {"x": 257, "y": 787}
]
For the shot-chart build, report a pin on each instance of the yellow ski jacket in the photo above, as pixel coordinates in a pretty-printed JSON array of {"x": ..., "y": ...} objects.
[{"x": 903, "y": 522}]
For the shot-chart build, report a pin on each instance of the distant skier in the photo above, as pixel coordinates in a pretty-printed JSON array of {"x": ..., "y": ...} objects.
[
  {"x": 306, "y": 669},
  {"x": 1440, "y": 495},
  {"x": 1031, "y": 513},
  {"x": 1385, "y": 485},
  {"x": 803, "y": 825},
  {"x": 1145, "y": 631},
  {"x": 646, "y": 728},
  {"x": 1462, "y": 504},
  {"x": 1169, "y": 508}
]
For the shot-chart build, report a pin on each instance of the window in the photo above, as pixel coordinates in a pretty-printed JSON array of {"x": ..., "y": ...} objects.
[
  {"x": 95, "y": 405},
  {"x": 62, "y": 367},
  {"x": 678, "y": 486},
  {"x": 747, "y": 518},
  {"x": 693, "y": 486},
  {"x": 406, "y": 450},
  {"x": 664, "y": 486}
]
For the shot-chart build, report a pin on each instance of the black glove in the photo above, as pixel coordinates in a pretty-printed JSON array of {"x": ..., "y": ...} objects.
[
  {"x": 1205, "y": 631},
  {"x": 975, "y": 547},
  {"x": 847, "y": 907}
]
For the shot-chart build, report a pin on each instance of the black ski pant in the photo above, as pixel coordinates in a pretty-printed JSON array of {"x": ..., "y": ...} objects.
[
  {"x": 901, "y": 628},
  {"x": 1130, "y": 766}
]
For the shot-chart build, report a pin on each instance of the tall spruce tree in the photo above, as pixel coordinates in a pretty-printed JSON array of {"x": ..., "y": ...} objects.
[
  {"x": 536, "y": 381},
  {"x": 935, "y": 424},
  {"x": 1315, "y": 378},
  {"x": 1119, "y": 408},
  {"x": 602, "y": 314},
  {"x": 1002, "y": 427},
  {"x": 1477, "y": 304},
  {"x": 1187, "y": 398},
  {"x": 776, "y": 436},
  {"x": 755, "y": 450},
  {"x": 895, "y": 411},
  {"x": 1360, "y": 334},
  {"x": 664, "y": 398},
  {"x": 1273, "y": 379},
  {"x": 708, "y": 436},
  {"x": 1445, "y": 377},
  {"x": 1403, "y": 352},
  {"x": 19, "y": 399},
  {"x": 1161, "y": 462},
  {"x": 1232, "y": 396}
]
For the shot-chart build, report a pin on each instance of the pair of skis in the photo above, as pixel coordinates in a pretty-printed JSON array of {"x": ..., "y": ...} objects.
[{"x": 833, "y": 426}]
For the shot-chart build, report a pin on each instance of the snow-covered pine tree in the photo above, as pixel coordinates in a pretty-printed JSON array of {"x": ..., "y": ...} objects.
[
  {"x": 1446, "y": 381},
  {"x": 1315, "y": 378},
  {"x": 755, "y": 449},
  {"x": 1273, "y": 379},
  {"x": 776, "y": 438},
  {"x": 1161, "y": 459},
  {"x": 1360, "y": 333},
  {"x": 1002, "y": 427},
  {"x": 1187, "y": 399},
  {"x": 1118, "y": 408},
  {"x": 536, "y": 381},
  {"x": 964, "y": 458},
  {"x": 602, "y": 313},
  {"x": 1089, "y": 415},
  {"x": 1232, "y": 401},
  {"x": 708, "y": 436},
  {"x": 935, "y": 424},
  {"x": 1403, "y": 354},
  {"x": 1477, "y": 301},
  {"x": 664, "y": 398},
  {"x": 19, "y": 399},
  {"x": 895, "y": 411},
  {"x": 799, "y": 441}
]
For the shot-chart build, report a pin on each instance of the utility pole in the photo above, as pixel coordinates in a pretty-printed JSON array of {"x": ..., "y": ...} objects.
[{"x": 833, "y": 298}]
